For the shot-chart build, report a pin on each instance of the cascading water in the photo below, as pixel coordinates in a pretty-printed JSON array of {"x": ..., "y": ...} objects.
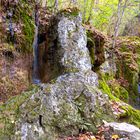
[{"x": 35, "y": 76}]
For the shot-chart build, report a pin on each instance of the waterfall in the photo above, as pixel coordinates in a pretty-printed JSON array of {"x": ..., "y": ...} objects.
[{"x": 35, "y": 76}]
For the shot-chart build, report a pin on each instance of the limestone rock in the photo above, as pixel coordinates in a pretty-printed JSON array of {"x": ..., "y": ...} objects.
[
  {"x": 72, "y": 101},
  {"x": 124, "y": 129},
  {"x": 108, "y": 66},
  {"x": 73, "y": 41}
]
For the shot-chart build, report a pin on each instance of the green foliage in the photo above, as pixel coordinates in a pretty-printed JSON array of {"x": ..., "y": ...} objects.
[{"x": 101, "y": 13}]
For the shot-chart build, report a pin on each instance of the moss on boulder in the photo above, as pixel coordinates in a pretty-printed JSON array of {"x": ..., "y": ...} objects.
[
  {"x": 131, "y": 115},
  {"x": 10, "y": 112},
  {"x": 112, "y": 87},
  {"x": 128, "y": 62}
]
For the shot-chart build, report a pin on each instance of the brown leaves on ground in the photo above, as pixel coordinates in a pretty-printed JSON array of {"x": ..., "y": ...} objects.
[{"x": 105, "y": 132}]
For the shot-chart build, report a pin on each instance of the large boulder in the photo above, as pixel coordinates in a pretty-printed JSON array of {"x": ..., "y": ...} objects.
[{"x": 71, "y": 102}]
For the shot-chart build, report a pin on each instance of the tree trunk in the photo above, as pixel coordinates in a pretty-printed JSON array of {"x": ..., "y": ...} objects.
[
  {"x": 91, "y": 9},
  {"x": 84, "y": 13},
  {"x": 120, "y": 14},
  {"x": 56, "y": 5}
]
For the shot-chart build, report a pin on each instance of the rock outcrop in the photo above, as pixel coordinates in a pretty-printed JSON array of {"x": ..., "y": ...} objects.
[{"x": 71, "y": 102}]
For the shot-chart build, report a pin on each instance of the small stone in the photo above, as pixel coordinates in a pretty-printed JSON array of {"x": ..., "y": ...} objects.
[{"x": 126, "y": 129}]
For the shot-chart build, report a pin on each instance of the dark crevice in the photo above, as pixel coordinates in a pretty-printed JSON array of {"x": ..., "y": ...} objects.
[
  {"x": 40, "y": 120},
  {"x": 41, "y": 38},
  {"x": 82, "y": 130},
  {"x": 8, "y": 54},
  {"x": 96, "y": 52}
]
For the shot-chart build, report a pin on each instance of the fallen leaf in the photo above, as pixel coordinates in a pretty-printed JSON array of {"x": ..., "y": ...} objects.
[
  {"x": 92, "y": 138},
  {"x": 115, "y": 137}
]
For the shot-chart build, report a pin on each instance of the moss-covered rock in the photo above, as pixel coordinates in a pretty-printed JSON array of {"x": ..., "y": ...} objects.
[
  {"x": 117, "y": 94},
  {"x": 16, "y": 33},
  {"x": 10, "y": 112},
  {"x": 70, "y": 103},
  {"x": 95, "y": 44},
  {"x": 128, "y": 63},
  {"x": 131, "y": 115},
  {"x": 112, "y": 87}
]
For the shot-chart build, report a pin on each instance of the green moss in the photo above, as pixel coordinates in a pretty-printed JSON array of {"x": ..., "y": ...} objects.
[
  {"x": 28, "y": 27},
  {"x": 9, "y": 111},
  {"x": 128, "y": 63},
  {"x": 106, "y": 89},
  {"x": 110, "y": 86},
  {"x": 119, "y": 91},
  {"x": 123, "y": 94},
  {"x": 124, "y": 48},
  {"x": 132, "y": 115},
  {"x": 23, "y": 15}
]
